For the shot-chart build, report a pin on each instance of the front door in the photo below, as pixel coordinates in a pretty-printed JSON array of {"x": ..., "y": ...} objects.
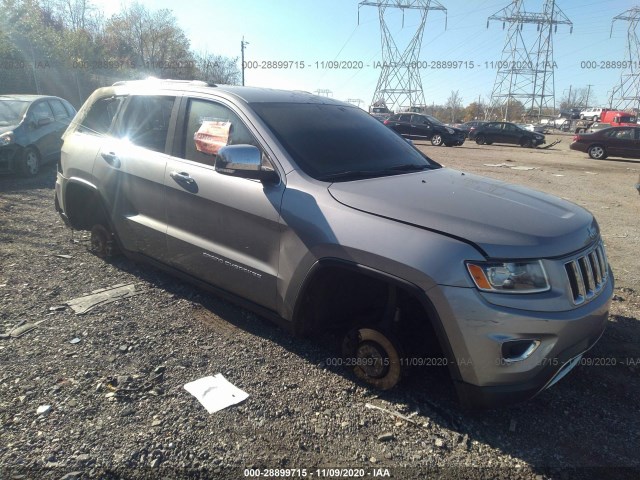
[{"x": 221, "y": 229}]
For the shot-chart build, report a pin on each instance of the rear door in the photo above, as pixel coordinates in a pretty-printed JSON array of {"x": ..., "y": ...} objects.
[
  {"x": 221, "y": 229},
  {"x": 131, "y": 166},
  {"x": 621, "y": 142}
]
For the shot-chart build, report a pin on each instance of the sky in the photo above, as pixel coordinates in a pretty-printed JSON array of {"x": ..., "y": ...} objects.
[{"x": 315, "y": 31}]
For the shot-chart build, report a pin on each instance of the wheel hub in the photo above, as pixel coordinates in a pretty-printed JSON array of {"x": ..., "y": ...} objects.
[{"x": 372, "y": 360}]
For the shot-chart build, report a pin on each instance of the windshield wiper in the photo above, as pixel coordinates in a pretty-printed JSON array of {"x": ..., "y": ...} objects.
[
  {"x": 357, "y": 174},
  {"x": 351, "y": 175},
  {"x": 410, "y": 167}
]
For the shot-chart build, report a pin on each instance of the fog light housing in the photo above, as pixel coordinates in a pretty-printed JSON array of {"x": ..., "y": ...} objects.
[{"x": 518, "y": 350}]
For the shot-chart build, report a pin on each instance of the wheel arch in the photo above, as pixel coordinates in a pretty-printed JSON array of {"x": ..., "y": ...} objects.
[
  {"x": 84, "y": 206},
  {"x": 325, "y": 266}
]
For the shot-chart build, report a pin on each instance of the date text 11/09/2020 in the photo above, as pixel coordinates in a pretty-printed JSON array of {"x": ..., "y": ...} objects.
[
  {"x": 405, "y": 362},
  {"x": 360, "y": 65},
  {"x": 317, "y": 472}
]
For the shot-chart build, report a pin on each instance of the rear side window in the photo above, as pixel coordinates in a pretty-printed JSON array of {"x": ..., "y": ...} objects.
[
  {"x": 59, "y": 112},
  {"x": 145, "y": 121},
  {"x": 405, "y": 118},
  {"x": 100, "y": 116},
  {"x": 209, "y": 127}
]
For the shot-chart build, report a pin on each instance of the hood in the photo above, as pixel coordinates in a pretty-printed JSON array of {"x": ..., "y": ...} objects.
[{"x": 503, "y": 220}]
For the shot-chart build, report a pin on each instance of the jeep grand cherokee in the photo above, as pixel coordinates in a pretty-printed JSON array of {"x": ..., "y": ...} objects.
[{"x": 314, "y": 214}]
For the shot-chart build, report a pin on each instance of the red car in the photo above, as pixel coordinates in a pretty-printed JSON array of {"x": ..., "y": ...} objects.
[{"x": 614, "y": 142}]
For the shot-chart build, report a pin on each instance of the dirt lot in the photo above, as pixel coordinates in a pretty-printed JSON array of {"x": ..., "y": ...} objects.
[{"x": 114, "y": 377}]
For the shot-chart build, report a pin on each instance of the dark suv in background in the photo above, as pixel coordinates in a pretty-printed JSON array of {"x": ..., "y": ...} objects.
[
  {"x": 505, "y": 132},
  {"x": 312, "y": 213},
  {"x": 425, "y": 127},
  {"x": 31, "y": 128}
]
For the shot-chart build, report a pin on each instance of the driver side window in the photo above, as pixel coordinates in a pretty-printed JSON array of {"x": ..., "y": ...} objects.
[{"x": 209, "y": 127}]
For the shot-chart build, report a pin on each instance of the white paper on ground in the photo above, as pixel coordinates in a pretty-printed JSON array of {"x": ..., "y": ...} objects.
[{"x": 215, "y": 393}]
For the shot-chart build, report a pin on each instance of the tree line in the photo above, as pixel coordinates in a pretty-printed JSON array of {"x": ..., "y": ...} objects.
[{"x": 69, "y": 48}]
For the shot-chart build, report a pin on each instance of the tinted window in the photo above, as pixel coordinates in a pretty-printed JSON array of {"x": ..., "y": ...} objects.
[
  {"x": 405, "y": 118},
  {"x": 419, "y": 120},
  {"x": 59, "y": 112},
  {"x": 328, "y": 139},
  {"x": 433, "y": 120},
  {"x": 100, "y": 116},
  {"x": 146, "y": 121},
  {"x": 510, "y": 128},
  {"x": 623, "y": 134},
  {"x": 211, "y": 126}
]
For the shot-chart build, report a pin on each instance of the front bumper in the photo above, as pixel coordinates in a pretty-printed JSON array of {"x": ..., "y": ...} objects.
[{"x": 478, "y": 330}]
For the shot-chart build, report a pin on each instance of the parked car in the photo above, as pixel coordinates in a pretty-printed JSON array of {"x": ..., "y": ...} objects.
[
  {"x": 505, "y": 132},
  {"x": 425, "y": 127},
  {"x": 254, "y": 194},
  {"x": 609, "y": 142},
  {"x": 468, "y": 127},
  {"x": 31, "y": 127},
  {"x": 380, "y": 113},
  {"x": 570, "y": 113},
  {"x": 592, "y": 113}
]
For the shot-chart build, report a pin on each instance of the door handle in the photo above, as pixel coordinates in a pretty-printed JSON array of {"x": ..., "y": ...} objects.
[
  {"x": 111, "y": 158},
  {"x": 182, "y": 177}
]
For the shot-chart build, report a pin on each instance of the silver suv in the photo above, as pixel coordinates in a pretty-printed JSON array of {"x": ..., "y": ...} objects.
[{"x": 316, "y": 215}]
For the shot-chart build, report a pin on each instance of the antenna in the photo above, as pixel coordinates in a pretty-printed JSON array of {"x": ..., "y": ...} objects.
[
  {"x": 626, "y": 95},
  {"x": 526, "y": 73},
  {"x": 400, "y": 84}
]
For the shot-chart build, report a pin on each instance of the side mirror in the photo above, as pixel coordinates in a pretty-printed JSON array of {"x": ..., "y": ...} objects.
[
  {"x": 244, "y": 161},
  {"x": 44, "y": 121}
]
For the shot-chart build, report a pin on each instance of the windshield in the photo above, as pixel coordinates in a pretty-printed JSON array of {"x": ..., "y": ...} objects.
[
  {"x": 434, "y": 120},
  {"x": 12, "y": 111},
  {"x": 335, "y": 142}
]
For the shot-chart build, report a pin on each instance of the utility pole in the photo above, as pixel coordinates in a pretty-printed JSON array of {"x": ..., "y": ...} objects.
[
  {"x": 242, "y": 45},
  {"x": 588, "y": 91}
]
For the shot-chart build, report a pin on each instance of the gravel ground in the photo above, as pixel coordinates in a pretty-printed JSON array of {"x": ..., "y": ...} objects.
[{"x": 109, "y": 383}]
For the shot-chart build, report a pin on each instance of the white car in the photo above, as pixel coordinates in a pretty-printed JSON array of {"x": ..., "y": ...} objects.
[{"x": 592, "y": 113}]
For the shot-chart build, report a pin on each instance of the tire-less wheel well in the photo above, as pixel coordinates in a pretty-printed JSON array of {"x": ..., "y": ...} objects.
[
  {"x": 83, "y": 207},
  {"x": 339, "y": 299}
]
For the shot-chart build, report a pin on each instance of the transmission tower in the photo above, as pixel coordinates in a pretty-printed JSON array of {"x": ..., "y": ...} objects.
[
  {"x": 626, "y": 95},
  {"x": 525, "y": 73},
  {"x": 400, "y": 84}
]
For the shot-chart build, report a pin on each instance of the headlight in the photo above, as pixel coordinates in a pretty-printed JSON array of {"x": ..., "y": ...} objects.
[
  {"x": 509, "y": 277},
  {"x": 450, "y": 130},
  {"x": 6, "y": 138}
]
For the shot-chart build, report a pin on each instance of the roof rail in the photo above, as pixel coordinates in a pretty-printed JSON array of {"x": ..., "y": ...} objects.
[{"x": 198, "y": 83}]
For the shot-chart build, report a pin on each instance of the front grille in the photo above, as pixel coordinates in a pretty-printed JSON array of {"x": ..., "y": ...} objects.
[{"x": 588, "y": 274}]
